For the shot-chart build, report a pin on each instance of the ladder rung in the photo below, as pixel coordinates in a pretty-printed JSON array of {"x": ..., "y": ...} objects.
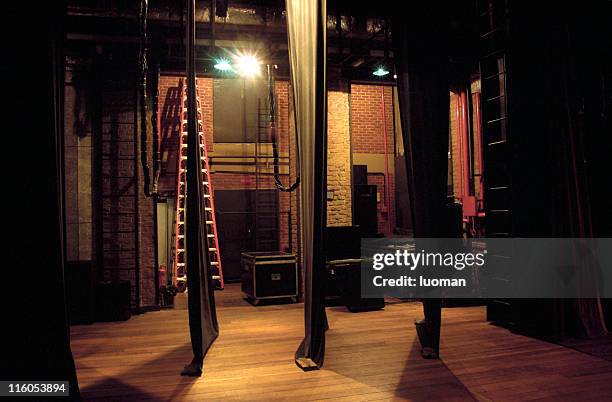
[
  {"x": 185, "y": 158},
  {"x": 212, "y": 250},
  {"x": 180, "y": 264},
  {"x": 204, "y": 183},
  {"x": 214, "y": 263},
  {"x": 209, "y": 222},
  {"x": 187, "y": 146},
  {"x": 185, "y": 170},
  {"x": 217, "y": 277}
]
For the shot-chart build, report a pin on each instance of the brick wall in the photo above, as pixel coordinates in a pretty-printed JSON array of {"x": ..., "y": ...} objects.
[
  {"x": 119, "y": 206},
  {"x": 368, "y": 144},
  {"x": 127, "y": 215},
  {"x": 385, "y": 215},
  {"x": 169, "y": 122},
  {"x": 366, "y": 119},
  {"x": 286, "y": 146},
  {"x": 338, "y": 159},
  {"x": 147, "y": 269}
]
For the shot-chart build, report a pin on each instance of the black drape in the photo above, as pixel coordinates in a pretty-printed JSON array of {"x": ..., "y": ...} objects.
[
  {"x": 203, "y": 326},
  {"x": 306, "y": 22},
  {"x": 557, "y": 55},
  {"x": 421, "y": 60},
  {"x": 35, "y": 318}
]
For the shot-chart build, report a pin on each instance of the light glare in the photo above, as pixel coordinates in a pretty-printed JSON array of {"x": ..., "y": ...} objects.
[
  {"x": 248, "y": 65},
  {"x": 223, "y": 65}
]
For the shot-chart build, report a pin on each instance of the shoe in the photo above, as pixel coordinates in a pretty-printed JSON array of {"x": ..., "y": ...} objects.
[
  {"x": 426, "y": 340},
  {"x": 429, "y": 353}
]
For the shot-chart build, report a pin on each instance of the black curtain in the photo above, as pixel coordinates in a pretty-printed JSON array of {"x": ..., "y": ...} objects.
[
  {"x": 421, "y": 61},
  {"x": 559, "y": 117},
  {"x": 420, "y": 42},
  {"x": 38, "y": 344},
  {"x": 306, "y": 25},
  {"x": 203, "y": 326}
]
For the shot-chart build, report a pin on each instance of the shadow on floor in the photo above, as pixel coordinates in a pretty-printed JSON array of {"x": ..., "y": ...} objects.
[{"x": 118, "y": 388}]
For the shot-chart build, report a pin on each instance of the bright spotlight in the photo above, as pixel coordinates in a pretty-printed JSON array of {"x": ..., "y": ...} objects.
[
  {"x": 223, "y": 65},
  {"x": 248, "y": 66},
  {"x": 380, "y": 72}
]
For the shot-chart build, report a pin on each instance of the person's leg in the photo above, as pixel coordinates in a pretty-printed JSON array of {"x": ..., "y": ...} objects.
[{"x": 428, "y": 329}]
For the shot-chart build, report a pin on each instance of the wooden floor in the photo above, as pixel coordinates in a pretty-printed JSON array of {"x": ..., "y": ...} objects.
[{"x": 370, "y": 356}]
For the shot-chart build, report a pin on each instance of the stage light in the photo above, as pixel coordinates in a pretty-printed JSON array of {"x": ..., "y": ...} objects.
[
  {"x": 381, "y": 71},
  {"x": 223, "y": 65},
  {"x": 248, "y": 65}
]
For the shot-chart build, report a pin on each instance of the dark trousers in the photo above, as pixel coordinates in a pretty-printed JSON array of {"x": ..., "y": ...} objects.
[{"x": 429, "y": 330}]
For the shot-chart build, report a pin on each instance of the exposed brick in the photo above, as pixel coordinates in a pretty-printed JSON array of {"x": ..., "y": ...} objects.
[{"x": 338, "y": 159}]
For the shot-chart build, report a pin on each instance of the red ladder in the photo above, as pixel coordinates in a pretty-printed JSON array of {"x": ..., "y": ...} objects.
[{"x": 214, "y": 256}]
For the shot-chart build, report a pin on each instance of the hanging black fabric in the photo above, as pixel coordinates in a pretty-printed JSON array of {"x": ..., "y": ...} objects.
[
  {"x": 203, "y": 326},
  {"x": 306, "y": 22},
  {"x": 37, "y": 336},
  {"x": 421, "y": 61}
]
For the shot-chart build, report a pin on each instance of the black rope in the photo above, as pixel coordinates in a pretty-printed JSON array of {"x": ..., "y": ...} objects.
[{"x": 277, "y": 180}]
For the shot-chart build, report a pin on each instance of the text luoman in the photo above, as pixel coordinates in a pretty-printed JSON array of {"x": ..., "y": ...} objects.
[{"x": 410, "y": 281}]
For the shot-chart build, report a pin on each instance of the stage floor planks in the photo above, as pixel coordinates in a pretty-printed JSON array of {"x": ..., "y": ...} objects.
[{"x": 370, "y": 356}]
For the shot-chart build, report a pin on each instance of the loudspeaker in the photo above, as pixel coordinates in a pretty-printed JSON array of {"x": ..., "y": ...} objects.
[
  {"x": 365, "y": 209},
  {"x": 348, "y": 273},
  {"x": 343, "y": 242},
  {"x": 360, "y": 175}
]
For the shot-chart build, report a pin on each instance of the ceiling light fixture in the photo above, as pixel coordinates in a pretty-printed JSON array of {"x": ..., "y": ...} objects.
[
  {"x": 223, "y": 65},
  {"x": 381, "y": 71}
]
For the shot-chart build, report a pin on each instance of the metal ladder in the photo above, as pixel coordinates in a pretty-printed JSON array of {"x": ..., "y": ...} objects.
[{"x": 214, "y": 256}]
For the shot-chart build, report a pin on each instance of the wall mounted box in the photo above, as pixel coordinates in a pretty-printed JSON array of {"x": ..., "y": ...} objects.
[{"x": 269, "y": 275}]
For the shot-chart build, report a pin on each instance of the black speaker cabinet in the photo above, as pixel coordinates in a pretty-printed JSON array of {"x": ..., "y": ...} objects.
[
  {"x": 269, "y": 275},
  {"x": 360, "y": 174},
  {"x": 365, "y": 209},
  {"x": 343, "y": 242},
  {"x": 348, "y": 274}
]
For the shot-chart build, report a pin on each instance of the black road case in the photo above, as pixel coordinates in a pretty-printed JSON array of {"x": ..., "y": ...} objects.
[{"x": 269, "y": 275}]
